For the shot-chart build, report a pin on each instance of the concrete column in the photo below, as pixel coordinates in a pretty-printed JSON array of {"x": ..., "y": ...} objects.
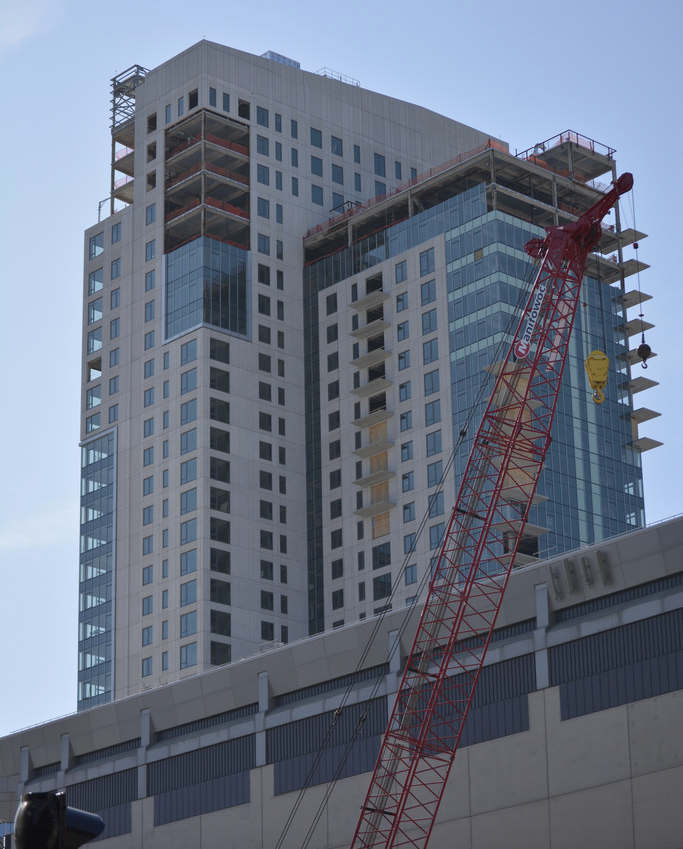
[
  {"x": 26, "y": 770},
  {"x": 260, "y": 718},
  {"x": 394, "y": 651},
  {"x": 65, "y": 761},
  {"x": 146, "y": 729},
  {"x": 542, "y": 624},
  {"x": 263, "y": 693}
]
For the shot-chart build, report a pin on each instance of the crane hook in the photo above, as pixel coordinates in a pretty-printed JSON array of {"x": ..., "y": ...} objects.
[{"x": 644, "y": 351}]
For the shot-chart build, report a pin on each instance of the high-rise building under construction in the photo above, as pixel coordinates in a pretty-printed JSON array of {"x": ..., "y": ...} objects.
[{"x": 290, "y": 315}]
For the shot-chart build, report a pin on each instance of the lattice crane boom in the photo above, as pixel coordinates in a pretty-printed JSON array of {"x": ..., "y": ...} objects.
[{"x": 479, "y": 547}]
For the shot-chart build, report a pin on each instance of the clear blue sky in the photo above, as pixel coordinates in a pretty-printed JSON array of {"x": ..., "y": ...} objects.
[{"x": 522, "y": 71}]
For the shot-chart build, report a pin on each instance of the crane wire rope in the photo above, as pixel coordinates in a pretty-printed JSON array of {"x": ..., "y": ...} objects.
[{"x": 500, "y": 350}]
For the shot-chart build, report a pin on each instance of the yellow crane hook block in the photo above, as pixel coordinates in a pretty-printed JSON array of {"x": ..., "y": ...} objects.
[{"x": 597, "y": 367}]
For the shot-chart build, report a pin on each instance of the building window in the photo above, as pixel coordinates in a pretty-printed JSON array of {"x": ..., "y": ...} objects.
[
  {"x": 188, "y": 624},
  {"x": 380, "y": 165},
  {"x": 428, "y": 322},
  {"x": 151, "y": 213},
  {"x": 263, "y": 208},
  {"x": 263, "y": 244},
  {"x": 146, "y": 666},
  {"x": 409, "y": 512},
  {"x": 149, "y": 340},
  {"x": 93, "y": 397},
  {"x": 147, "y": 605},
  {"x": 432, "y": 412},
  {"x": 188, "y": 531},
  {"x": 188, "y": 352},
  {"x": 337, "y": 599},
  {"x": 404, "y": 391},
  {"x": 407, "y": 481},
  {"x": 401, "y": 271},
  {"x": 113, "y": 413},
  {"x": 431, "y": 382},
  {"x": 403, "y": 360},
  {"x": 427, "y": 262},
  {"x": 381, "y": 555},
  {"x": 96, "y": 245},
  {"x": 188, "y": 381},
  {"x": 434, "y": 472},
  {"x": 150, "y": 280},
  {"x": 188, "y": 441},
  {"x": 95, "y": 310},
  {"x": 397, "y": 170},
  {"x": 402, "y": 302},
  {"x": 93, "y": 423},
  {"x": 436, "y": 503},
  {"x": 188, "y": 561},
  {"x": 407, "y": 451},
  {"x": 406, "y": 420},
  {"x": 148, "y": 635},
  {"x": 114, "y": 328},
  {"x": 148, "y": 545},
  {"x": 409, "y": 543},
  {"x": 188, "y": 471},
  {"x": 381, "y": 587},
  {"x": 188, "y": 655},
  {"x": 428, "y": 292},
  {"x": 316, "y": 137},
  {"x": 436, "y": 533},
  {"x": 316, "y": 166},
  {"x": 95, "y": 281},
  {"x": 267, "y": 631},
  {"x": 262, "y": 146},
  {"x": 115, "y": 269},
  {"x": 433, "y": 443},
  {"x": 263, "y": 175},
  {"x": 430, "y": 351},
  {"x": 188, "y": 501},
  {"x": 380, "y": 188},
  {"x": 188, "y": 412},
  {"x": 317, "y": 195},
  {"x": 402, "y": 331},
  {"x": 188, "y": 593},
  {"x": 262, "y": 117},
  {"x": 115, "y": 298},
  {"x": 337, "y": 146}
]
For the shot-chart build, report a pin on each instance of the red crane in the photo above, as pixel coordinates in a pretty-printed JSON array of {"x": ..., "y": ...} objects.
[{"x": 479, "y": 546}]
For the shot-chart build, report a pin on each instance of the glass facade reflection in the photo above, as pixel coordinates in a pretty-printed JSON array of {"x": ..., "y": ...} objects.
[
  {"x": 592, "y": 479},
  {"x": 95, "y": 614},
  {"x": 206, "y": 283}
]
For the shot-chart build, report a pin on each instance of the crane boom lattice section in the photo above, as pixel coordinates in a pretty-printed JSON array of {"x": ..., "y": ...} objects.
[{"x": 479, "y": 547}]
